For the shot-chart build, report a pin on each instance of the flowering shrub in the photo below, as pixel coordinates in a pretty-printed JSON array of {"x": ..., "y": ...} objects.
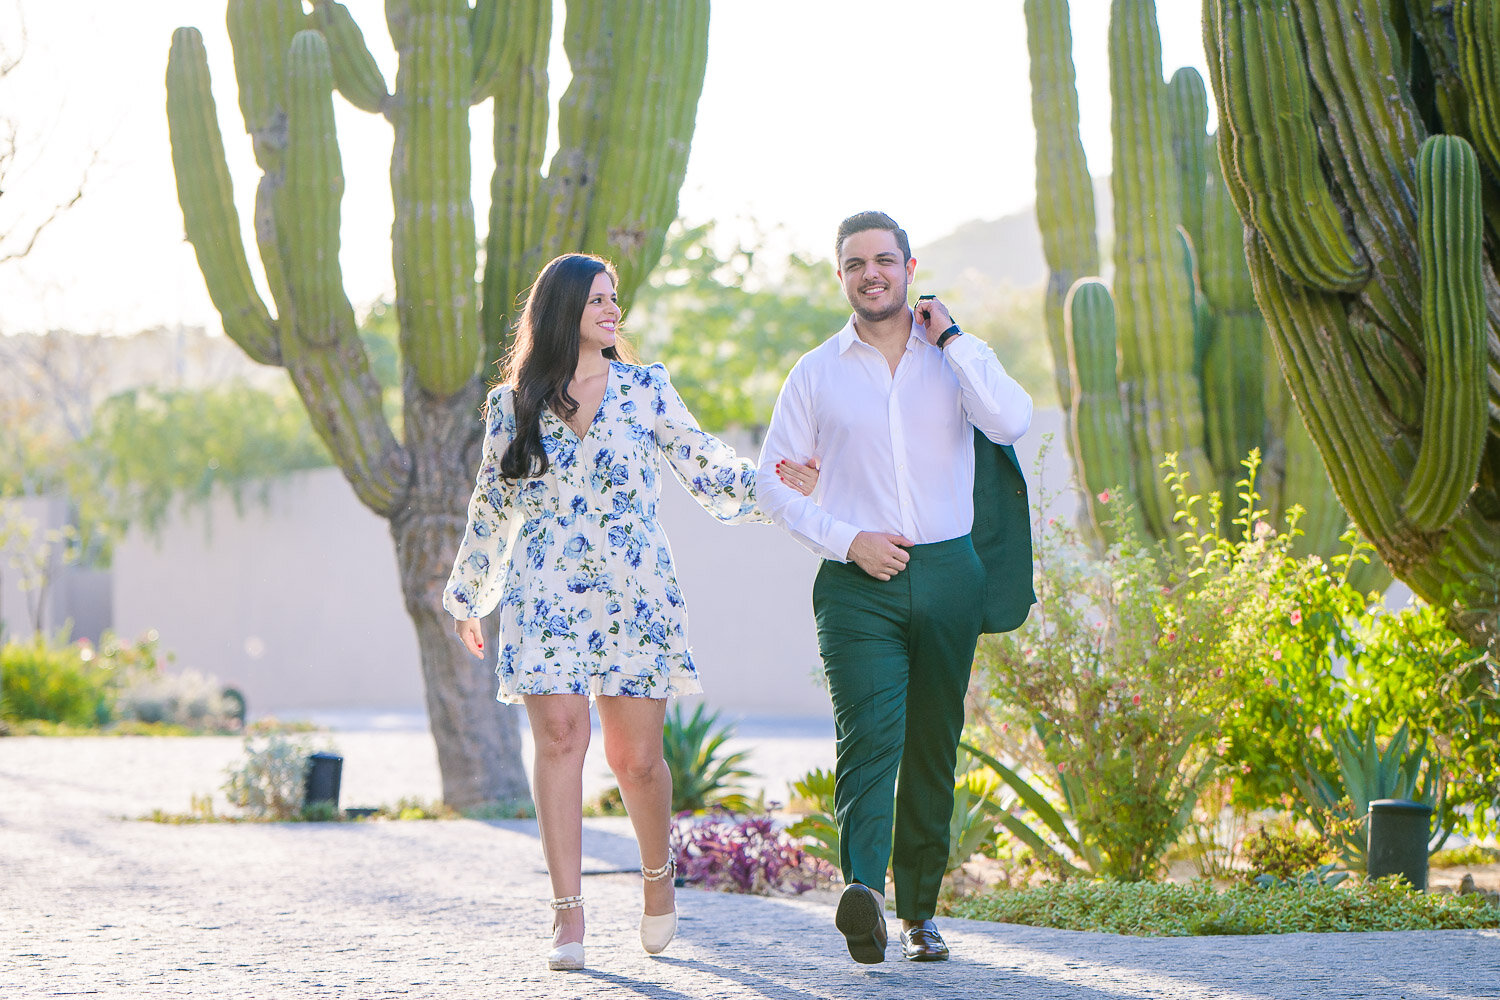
[
  {"x": 1108, "y": 693},
  {"x": 745, "y": 854},
  {"x": 271, "y": 783}
]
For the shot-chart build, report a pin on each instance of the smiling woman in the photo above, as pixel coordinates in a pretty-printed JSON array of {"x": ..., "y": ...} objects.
[{"x": 564, "y": 539}]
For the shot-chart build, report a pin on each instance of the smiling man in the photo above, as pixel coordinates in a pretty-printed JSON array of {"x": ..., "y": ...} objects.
[{"x": 889, "y": 406}]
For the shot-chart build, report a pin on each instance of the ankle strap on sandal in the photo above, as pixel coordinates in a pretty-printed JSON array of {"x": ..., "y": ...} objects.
[
  {"x": 666, "y": 871},
  {"x": 566, "y": 903}
]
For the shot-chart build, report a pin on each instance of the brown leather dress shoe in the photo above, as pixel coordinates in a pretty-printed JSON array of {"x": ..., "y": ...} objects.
[
  {"x": 923, "y": 943},
  {"x": 862, "y": 922}
]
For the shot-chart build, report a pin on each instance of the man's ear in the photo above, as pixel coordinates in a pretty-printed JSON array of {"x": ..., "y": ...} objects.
[{"x": 911, "y": 268}]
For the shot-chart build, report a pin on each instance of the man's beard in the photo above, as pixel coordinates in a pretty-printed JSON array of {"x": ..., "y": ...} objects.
[{"x": 869, "y": 315}]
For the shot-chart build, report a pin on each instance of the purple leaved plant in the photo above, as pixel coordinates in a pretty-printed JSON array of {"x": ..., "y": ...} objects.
[{"x": 744, "y": 854}]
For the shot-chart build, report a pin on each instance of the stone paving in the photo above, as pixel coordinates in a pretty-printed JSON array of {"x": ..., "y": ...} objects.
[{"x": 94, "y": 902}]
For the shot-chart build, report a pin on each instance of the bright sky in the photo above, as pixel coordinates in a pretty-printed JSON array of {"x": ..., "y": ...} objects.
[{"x": 811, "y": 110}]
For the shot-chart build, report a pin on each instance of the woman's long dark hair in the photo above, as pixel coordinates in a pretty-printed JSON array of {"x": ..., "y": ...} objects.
[{"x": 544, "y": 355}]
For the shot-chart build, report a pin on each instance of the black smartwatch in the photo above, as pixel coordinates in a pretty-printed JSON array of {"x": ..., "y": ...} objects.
[{"x": 947, "y": 335}]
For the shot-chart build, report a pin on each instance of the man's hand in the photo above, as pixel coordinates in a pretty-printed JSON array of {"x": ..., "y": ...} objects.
[
  {"x": 933, "y": 315},
  {"x": 879, "y": 554},
  {"x": 468, "y": 631}
]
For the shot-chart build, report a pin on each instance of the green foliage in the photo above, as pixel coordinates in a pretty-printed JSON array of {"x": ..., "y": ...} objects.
[
  {"x": 818, "y": 830},
  {"x": 54, "y": 682},
  {"x": 1324, "y": 874},
  {"x": 33, "y": 554},
  {"x": 147, "y": 449},
  {"x": 1284, "y": 852},
  {"x": 702, "y": 774},
  {"x": 156, "y": 447},
  {"x": 271, "y": 782},
  {"x": 975, "y": 824},
  {"x": 1341, "y": 659},
  {"x": 729, "y": 324},
  {"x": 1339, "y": 807},
  {"x": 1169, "y": 910},
  {"x": 1115, "y": 675},
  {"x": 1057, "y": 840},
  {"x": 1460, "y": 857}
]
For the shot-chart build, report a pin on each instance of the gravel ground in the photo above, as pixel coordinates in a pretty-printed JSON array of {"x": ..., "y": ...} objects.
[{"x": 95, "y": 902}]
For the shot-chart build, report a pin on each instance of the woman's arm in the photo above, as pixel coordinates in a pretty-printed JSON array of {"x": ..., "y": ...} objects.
[
  {"x": 721, "y": 481},
  {"x": 478, "y": 574}
]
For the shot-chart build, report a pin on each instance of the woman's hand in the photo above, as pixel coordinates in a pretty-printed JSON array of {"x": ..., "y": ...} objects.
[
  {"x": 802, "y": 478},
  {"x": 468, "y": 631}
]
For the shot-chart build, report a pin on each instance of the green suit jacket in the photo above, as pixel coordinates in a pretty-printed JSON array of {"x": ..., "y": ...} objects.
[{"x": 1002, "y": 535}]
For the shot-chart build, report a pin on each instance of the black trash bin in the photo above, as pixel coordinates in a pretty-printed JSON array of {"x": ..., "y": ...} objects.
[
  {"x": 1399, "y": 829},
  {"x": 324, "y": 771}
]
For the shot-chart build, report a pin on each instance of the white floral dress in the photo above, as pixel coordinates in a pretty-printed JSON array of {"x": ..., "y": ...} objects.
[{"x": 576, "y": 560}]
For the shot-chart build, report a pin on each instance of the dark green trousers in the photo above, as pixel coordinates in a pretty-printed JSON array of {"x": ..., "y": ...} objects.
[{"x": 897, "y": 655}]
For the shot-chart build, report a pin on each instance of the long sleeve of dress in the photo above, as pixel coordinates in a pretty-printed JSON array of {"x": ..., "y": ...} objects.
[
  {"x": 722, "y": 482},
  {"x": 478, "y": 574}
]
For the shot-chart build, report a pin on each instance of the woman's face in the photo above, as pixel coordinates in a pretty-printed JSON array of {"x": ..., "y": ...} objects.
[{"x": 601, "y": 316}]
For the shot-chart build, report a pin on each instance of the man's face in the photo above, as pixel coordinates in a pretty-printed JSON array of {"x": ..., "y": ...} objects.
[{"x": 874, "y": 276}]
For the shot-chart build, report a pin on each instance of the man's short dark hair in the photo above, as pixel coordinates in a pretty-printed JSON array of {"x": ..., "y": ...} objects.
[{"x": 863, "y": 221}]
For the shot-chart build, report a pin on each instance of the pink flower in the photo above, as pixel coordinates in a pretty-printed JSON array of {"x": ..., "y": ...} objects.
[
  {"x": 1275, "y": 655},
  {"x": 1171, "y": 636},
  {"x": 1270, "y": 682},
  {"x": 1135, "y": 699},
  {"x": 1218, "y": 672},
  {"x": 1062, "y": 769},
  {"x": 1104, "y": 497},
  {"x": 1296, "y": 616}
]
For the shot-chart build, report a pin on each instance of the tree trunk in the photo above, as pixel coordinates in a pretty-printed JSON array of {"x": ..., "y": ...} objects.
[{"x": 478, "y": 740}]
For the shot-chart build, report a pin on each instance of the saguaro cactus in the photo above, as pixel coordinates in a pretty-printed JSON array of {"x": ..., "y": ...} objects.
[
  {"x": 1393, "y": 356},
  {"x": 624, "y": 127},
  {"x": 1190, "y": 339}
]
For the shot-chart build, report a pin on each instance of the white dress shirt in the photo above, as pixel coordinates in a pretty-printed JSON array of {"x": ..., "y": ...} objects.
[{"x": 896, "y": 450}]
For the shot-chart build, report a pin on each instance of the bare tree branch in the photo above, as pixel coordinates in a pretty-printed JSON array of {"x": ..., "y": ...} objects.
[{"x": 8, "y": 151}]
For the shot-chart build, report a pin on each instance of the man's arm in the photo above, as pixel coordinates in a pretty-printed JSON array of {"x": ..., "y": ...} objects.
[
  {"x": 792, "y": 435},
  {"x": 992, "y": 400}
]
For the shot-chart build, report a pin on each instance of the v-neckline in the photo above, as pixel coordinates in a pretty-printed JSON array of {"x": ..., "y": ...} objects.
[{"x": 580, "y": 438}]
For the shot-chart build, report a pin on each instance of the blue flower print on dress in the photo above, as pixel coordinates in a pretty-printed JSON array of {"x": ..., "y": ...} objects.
[{"x": 575, "y": 556}]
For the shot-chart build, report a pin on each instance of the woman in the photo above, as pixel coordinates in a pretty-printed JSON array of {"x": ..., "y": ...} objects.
[{"x": 563, "y": 537}]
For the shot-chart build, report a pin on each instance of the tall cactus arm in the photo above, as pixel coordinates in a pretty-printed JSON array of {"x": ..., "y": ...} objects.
[
  {"x": 1096, "y": 418},
  {"x": 511, "y": 256},
  {"x": 207, "y": 198},
  {"x": 433, "y": 234},
  {"x": 1340, "y": 407},
  {"x": 1234, "y": 378},
  {"x": 324, "y": 354},
  {"x": 260, "y": 33},
  {"x": 499, "y": 33},
  {"x": 355, "y": 72},
  {"x": 1451, "y": 256},
  {"x": 619, "y": 135},
  {"x": 681, "y": 96},
  {"x": 1153, "y": 292},
  {"x": 1476, "y": 26},
  {"x": 1188, "y": 103},
  {"x": 1272, "y": 153},
  {"x": 1064, "y": 190}
]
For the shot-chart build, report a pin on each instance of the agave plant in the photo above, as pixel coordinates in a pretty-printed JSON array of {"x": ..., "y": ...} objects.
[
  {"x": 817, "y": 829},
  {"x": 703, "y": 774},
  {"x": 1339, "y": 807}
]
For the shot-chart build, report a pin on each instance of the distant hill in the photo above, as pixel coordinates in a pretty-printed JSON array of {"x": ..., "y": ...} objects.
[{"x": 998, "y": 253}]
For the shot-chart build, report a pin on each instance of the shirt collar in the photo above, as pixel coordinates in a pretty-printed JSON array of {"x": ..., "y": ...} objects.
[{"x": 847, "y": 336}]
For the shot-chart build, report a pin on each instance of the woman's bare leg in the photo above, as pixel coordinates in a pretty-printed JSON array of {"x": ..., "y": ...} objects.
[
  {"x": 632, "y": 745},
  {"x": 560, "y": 730}
]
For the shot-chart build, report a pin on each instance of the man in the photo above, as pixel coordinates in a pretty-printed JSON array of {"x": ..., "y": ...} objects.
[{"x": 889, "y": 407}]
